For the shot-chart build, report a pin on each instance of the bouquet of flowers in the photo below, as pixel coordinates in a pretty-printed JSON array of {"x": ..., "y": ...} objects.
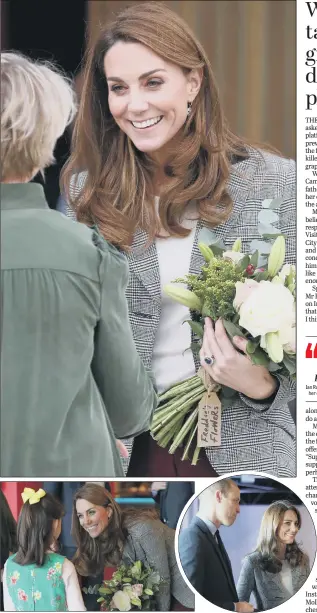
[
  {"x": 131, "y": 588},
  {"x": 254, "y": 301}
]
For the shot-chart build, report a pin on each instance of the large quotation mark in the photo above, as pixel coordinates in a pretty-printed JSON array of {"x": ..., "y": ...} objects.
[{"x": 310, "y": 352}]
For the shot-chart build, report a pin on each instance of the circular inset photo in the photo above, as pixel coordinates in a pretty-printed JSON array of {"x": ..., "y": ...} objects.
[{"x": 246, "y": 543}]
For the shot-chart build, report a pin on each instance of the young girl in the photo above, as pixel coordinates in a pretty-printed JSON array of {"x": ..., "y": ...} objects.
[{"x": 36, "y": 578}]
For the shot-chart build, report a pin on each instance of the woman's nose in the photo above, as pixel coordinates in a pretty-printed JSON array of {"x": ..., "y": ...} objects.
[{"x": 137, "y": 103}]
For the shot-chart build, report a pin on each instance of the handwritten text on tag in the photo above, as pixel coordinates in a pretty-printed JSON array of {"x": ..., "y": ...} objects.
[{"x": 209, "y": 421}]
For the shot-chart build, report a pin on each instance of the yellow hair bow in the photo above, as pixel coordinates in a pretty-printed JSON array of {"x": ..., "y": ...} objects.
[{"x": 31, "y": 496}]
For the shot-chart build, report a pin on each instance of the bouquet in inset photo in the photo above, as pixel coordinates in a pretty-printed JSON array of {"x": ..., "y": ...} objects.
[
  {"x": 254, "y": 296},
  {"x": 131, "y": 588}
]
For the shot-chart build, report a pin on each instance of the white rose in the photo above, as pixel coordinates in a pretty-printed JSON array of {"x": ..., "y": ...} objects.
[
  {"x": 233, "y": 256},
  {"x": 269, "y": 308},
  {"x": 121, "y": 601},
  {"x": 289, "y": 345},
  {"x": 243, "y": 291}
]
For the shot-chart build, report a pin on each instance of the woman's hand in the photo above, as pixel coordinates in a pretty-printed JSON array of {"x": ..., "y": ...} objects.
[{"x": 232, "y": 368}]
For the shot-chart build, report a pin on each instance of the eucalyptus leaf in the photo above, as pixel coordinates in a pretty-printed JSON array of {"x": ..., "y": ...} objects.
[
  {"x": 217, "y": 249},
  {"x": 270, "y": 203},
  {"x": 260, "y": 246},
  {"x": 100, "y": 600},
  {"x": 266, "y": 229},
  {"x": 196, "y": 327},
  {"x": 267, "y": 216},
  {"x": 232, "y": 329},
  {"x": 269, "y": 236},
  {"x": 207, "y": 236}
]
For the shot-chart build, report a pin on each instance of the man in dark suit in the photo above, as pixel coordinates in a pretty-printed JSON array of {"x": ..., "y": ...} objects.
[
  {"x": 202, "y": 553},
  {"x": 171, "y": 497}
]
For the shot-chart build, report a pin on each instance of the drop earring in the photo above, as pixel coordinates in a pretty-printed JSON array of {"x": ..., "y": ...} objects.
[{"x": 189, "y": 108}]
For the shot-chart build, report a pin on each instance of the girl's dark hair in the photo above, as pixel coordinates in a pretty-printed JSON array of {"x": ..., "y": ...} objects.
[
  {"x": 8, "y": 530},
  {"x": 267, "y": 543},
  {"x": 35, "y": 529},
  {"x": 93, "y": 554}
]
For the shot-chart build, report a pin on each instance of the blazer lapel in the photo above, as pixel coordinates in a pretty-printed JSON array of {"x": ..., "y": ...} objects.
[
  {"x": 143, "y": 263},
  {"x": 239, "y": 187}
]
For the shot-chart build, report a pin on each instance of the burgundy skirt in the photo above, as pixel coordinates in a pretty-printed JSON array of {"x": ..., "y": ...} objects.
[{"x": 150, "y": 460}]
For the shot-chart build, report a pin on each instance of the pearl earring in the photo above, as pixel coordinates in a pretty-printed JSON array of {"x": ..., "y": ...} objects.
[{"x": 189, "y": 108}]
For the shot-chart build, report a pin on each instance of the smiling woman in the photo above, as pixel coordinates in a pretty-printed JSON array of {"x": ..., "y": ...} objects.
[
  {"x": 160, "y": 170},
  {"x": 278, "y": 567},
  {"x": 108, "y": 536}
]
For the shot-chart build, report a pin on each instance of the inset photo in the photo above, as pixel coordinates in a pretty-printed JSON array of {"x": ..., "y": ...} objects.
[
  {"x": 92, "y": 546},
  {"x": 246, "y": 543}
]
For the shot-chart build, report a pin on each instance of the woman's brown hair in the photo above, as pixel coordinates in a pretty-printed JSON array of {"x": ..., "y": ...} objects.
[
  {"x": 118, "y": 194},
  {"x": 35, "y": 529},
  {"x": 93, "y": 554},
  {"x": 267, "y": 543}
]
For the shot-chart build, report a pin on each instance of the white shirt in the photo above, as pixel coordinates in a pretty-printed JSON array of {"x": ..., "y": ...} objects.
[
  {"x": 172, "y": 359},
  {"x": 73, "y": 592},
  {"x": 286, "y": 577}
]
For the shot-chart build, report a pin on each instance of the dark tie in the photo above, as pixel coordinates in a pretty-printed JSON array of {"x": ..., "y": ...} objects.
[{"x": 222, "y": 550}]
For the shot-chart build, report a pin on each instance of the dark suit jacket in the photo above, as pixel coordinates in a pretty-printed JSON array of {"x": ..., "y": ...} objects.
[
  {"x": 204, "y": 567},
  {"x": 173, "y": 499}
]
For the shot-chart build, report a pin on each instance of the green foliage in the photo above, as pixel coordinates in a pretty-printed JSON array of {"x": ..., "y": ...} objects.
[
  {"x": 216, "y": 287},
  {"x": 124, "y": 578}
]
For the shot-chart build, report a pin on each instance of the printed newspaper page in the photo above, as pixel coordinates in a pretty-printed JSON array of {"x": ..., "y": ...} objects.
[{"x": 307, "y": 274}]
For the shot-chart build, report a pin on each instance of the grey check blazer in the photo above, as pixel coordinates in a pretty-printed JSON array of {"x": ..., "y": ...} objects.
[
  {"x": 268, "y": 589},
  {"x": 152, "y": 542},
  {"x": 255, "y": 435}
]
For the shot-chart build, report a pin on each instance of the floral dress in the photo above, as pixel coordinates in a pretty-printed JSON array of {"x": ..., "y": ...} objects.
[{"x": 37, "y": 588}]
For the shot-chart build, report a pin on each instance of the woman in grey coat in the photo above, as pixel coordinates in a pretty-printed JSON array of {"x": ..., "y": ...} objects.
[
  {"x": 162, "y": 172},
  {"x": 108, "y": 536},
  {"x": 278, "y": 567},
  {"x": 71, "y": 380}
]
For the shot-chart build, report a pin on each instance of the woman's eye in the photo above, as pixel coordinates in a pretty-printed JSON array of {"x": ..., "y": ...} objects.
[
  {"x": 117, "y": 89},
  {"x": 154, "y": 83}
]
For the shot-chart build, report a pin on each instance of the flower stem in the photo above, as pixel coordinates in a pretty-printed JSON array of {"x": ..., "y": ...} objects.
[
  {"x": 196, "y": 455},
  {"x": 183, "y": 431},
  {"x": 184, "y": 407},
  {"x": 189, "y": 442}
]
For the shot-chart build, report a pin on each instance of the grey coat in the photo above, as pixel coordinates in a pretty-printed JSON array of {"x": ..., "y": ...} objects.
[
  {"x": 152, "y": 542},
  {"x": 267, "y": 588},
  {"x": 255, "y": 435}
]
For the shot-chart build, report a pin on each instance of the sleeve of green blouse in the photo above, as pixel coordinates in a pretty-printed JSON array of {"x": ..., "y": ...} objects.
[{"x": 125, "y": 385}]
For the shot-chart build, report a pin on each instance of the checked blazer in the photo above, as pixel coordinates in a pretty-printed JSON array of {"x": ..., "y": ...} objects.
[{"x": 255, "y": 435}]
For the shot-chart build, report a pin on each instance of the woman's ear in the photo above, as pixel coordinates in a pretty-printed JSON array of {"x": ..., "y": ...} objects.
[
  {"x": 109, "y": 511},
  {"x": 194, "y": 80}
]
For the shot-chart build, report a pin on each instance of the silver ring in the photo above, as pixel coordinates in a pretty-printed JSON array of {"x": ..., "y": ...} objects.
[{"x": 210, "y": 360}]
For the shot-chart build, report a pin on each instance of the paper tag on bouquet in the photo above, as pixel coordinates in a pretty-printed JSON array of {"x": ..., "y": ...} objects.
[{"x": 209, "y": 421}]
